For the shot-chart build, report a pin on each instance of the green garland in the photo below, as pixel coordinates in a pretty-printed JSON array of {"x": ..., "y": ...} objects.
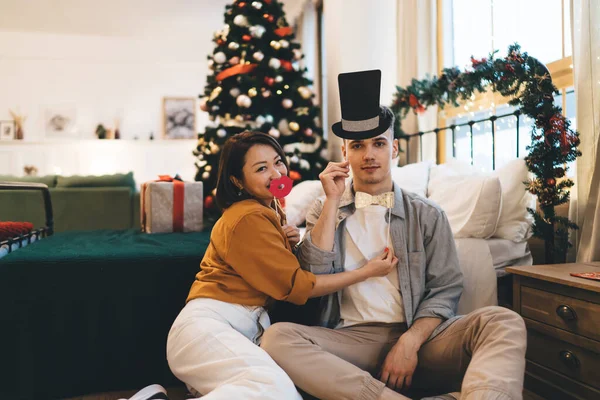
[{"x": 554, "y": 143}]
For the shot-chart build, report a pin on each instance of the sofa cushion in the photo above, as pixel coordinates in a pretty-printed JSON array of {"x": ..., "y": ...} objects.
[
  {"x": 49, "y": 180},
  {"x": 121, "y": 180}
]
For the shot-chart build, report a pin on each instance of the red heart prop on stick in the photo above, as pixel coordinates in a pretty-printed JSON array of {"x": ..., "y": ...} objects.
[{"x": 281, "y": 187}]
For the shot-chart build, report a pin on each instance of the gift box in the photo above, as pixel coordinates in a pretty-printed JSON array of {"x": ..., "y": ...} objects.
[{"x": 171, "y": 205}]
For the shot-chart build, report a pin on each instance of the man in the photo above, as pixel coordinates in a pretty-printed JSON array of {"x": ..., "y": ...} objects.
[{"x": 397, "y": 333}]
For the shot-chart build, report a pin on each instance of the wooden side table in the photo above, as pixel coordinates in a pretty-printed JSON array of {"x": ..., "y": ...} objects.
[{"x": 562, "y": 315}]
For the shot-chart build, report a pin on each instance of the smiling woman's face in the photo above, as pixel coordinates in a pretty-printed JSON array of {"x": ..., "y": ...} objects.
[{"x": 262, "y": 165}]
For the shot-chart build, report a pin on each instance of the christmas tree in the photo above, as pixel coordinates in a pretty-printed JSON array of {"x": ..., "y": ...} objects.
[{"x": 256, "y": 84}]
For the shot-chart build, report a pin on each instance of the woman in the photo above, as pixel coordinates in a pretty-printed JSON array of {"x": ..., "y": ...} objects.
[{"x": 212, "y": 345}]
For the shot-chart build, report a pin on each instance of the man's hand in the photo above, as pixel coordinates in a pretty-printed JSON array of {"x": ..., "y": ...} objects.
[
  {"x": 333, "y": 179},
  {"x": 400, "y": 363},
  {"x": 292, "y": 233}
]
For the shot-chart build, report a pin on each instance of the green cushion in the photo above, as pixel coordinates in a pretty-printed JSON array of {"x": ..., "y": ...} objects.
[
  {"x": 49, "y": 180},
  {"x": 125, "y": 180}
]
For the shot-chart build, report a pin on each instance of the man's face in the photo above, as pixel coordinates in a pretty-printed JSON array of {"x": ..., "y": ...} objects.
[{"x": 371, "y": 159}]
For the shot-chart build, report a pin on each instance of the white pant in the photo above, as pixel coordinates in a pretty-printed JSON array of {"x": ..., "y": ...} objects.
[{"x": 213, "y": 348}]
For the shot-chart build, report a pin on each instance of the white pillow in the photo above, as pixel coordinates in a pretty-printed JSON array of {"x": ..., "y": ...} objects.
[
  {"x": 472, "y": 202},
  {"x": 298, "y": 202},
  {"x": 413, "y": 177},
  {"x": 515, "y": 222}
]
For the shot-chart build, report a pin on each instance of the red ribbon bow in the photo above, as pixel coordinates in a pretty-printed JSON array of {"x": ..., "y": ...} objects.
[{"x": 178, "y": 196}]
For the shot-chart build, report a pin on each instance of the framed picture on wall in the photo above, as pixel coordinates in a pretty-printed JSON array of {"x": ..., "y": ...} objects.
[
  {"x": 179, "y": 118},
  {"x": 7, "y": 130}
]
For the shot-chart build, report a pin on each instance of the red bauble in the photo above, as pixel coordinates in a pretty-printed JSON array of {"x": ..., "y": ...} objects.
[
  {"x": 286, "y": 65},
  {"x": 269, "y": 81},
  {"x": 551, "y": 181},
  {"x": 247, "y": 38},
  {"x": 220, "y": 42},
  {"x": 267, "y": 1},
  {"x": 208, "y": 202},
  {"x": 242, "y": 4},
  {"x": 295, "y": 175}
]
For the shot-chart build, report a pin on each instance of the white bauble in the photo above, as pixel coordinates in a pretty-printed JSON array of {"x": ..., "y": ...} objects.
[
  {"x": 284, "y": 127},
  {"x": 260, "y": 120},
  {"x": 235, "y": 92},
  {"x": 221, "y": 133},
  {"x": 220, "y": 57},
  {"x": 274, "y": 132},
  {"x": 205, "y": 175},
  {"x": 284, "y": 43},
  {"x": 243, "y": 101},
  {"x": 304, "y": 92},
  {"x": 279, "y": 79},
  {"x": 269, "y": 118},
  {"x": 294, "y": 159},
  {"x": 209, "y": 167},
  {"x": 234, "y": 60},
  {"x": 240, "y": 20},
  {"x": 274, "y": 63},
  {"x": 266, "y": 93},
  {"x": 258, "y": 56},
  {"x": 257, "y": 4},
  {"x": 287, "y": 103},
  {"x": 257, "y": 31},
  {"x": 233, "y": 46}
]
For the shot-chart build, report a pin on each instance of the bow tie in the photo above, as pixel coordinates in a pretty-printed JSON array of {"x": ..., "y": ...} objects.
[{"x": 362, "y": 200}]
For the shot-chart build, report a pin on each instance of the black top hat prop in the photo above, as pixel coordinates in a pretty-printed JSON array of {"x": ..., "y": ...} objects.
[{"x": 359, "y": 99}]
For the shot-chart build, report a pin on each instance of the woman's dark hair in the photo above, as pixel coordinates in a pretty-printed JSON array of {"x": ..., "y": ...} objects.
[{"x": 233, "y": 158}]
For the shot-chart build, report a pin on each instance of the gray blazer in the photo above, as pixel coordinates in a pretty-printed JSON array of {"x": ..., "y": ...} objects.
[{"x": 430, "y": 279}]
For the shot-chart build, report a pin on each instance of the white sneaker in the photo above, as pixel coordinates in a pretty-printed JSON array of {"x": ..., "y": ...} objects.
[{"x": 152, "y": 392}]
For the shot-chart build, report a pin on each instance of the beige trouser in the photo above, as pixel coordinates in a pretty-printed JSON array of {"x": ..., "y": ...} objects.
[{"x": 482, "y": 355}]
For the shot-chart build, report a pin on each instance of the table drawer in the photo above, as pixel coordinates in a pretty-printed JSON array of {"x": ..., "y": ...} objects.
[
  {"x": 573, "y": 361},
  {"x": 578, "y": 316}
]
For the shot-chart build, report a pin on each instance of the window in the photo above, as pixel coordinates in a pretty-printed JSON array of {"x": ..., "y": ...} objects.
[{"x": 476, "y": 28}]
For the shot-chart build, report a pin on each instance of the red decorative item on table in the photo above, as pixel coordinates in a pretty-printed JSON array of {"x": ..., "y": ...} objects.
[
  {"x": 587, "y": 275},
  {"x": 171, "y": 205}
]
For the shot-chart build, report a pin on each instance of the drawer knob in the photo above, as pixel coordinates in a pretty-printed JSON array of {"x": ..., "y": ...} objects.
[
  {"x": 569, "y": 359},
  {"x": 566, "y": 313}
]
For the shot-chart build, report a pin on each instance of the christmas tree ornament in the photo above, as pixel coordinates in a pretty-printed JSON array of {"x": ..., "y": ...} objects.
[
  {"x": 203, "y": 105},
  {"x": 240, "y": 20},
  {"x": 274, "y": 132},
  {"x": 221, "y": 133},
  {"x": 269, "y": 17},
  {"x": 241, "y": 4},
  {"x": 233, "y": 46},
  {"x": 239, "y": 118},
  {"x": 211, "y": 64},
  {"x": 551, "y": 181},
  {"x": 215, "y": 93},
  {"x": 243, "y": 101},
  {"x": 252, "y": 92},
  {"x": 260, "y": 120},
  {"x": 301, "y": 111},
  {"x": 295, "y": 175},
  {"x": 279, "y": 92},
  {"x": 269, "y": 81},
  {"x": 234, "y": 92},
  {"x": 287, "y": 65},
  {"x": 284, "y": 43},
  {"x": 297, "y": 54},
  {"x": 208, "y": 202},
  {"x": 287, "y": 103},
  {"x": 257, "y": 31},
  {"x": 205, "y": 175},
  {"x": 215, "y": 108},
  {"x": 257, "y": 4},
  {"x": 234, "y": 60},
  {"x": 275, "y": 44},
  {"x": 308, "y": 132},
  {"x": 274, "y": 63},
  {"x": 247, "y": 38},
  {"x": 294, "y": 159},
  {"x": 281, "y": 187},
  {"x": 220, "y": 57},
  {"x": 208, "y": 168},
  {"x": 284, "y": 127},
  {"x": 269, "y": 118},
  {"x": 305, "y": 92},
  {"x": 258, "y": 56},
  {"x": 279, "y": 79},
  {"x": 304, "y": 164},
  {"x": 294, "y": 126},
  {"x": 266, "y": 93}
]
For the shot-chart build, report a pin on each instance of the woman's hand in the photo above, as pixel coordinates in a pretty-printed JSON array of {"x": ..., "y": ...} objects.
[
  {"x": 292, "y": 233},
  {"x": 380, "y": 265}
]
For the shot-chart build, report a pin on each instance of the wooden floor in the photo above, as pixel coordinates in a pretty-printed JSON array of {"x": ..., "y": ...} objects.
[{"x": 180, "y": 393}]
